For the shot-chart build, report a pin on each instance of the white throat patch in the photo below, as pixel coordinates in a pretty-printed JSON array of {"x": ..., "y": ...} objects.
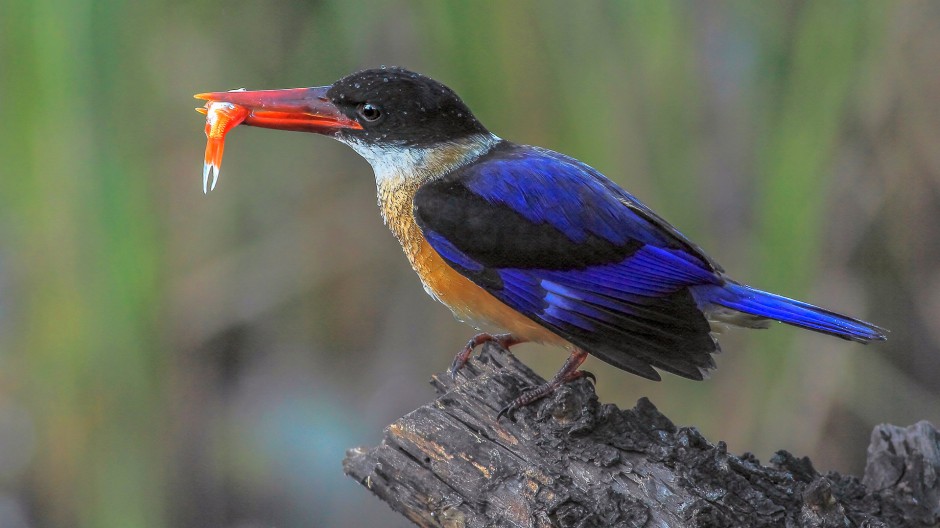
[{"x": 396, "y": 164}]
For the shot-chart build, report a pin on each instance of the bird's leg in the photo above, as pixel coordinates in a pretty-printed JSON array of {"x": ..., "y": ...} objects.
[
  {"x": 568, "y": 372},
  {"x": 503, "y": 340}
]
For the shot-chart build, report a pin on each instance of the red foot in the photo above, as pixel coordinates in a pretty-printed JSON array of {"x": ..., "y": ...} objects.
[
  {"x": 503, "y": 340},
  {"x": 568, "y": 372}
]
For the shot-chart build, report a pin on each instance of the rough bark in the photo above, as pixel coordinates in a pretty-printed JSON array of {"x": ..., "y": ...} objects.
[{"x": 570, "y": 461}]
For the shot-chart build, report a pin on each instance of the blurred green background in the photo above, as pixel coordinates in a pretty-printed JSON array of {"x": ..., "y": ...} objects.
[{"x": 174, "y": 359}]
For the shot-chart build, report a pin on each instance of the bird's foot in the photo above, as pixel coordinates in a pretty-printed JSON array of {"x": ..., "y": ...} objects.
[
  {"x": 568, "y": 373},
  {"x": 503, "y": 340}
]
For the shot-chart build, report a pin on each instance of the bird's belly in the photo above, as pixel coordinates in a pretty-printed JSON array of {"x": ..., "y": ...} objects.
[{"x": 471, "y": 303}]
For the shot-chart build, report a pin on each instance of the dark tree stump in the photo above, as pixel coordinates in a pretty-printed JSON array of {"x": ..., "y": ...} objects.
[{"x": 570, "y": 461}]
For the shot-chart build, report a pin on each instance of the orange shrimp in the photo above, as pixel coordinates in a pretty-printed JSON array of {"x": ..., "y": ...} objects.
[{"x": 220, "y": 118}]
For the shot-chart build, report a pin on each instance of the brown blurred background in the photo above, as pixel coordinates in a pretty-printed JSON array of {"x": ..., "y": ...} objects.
[{"x": 174, "y": 359}]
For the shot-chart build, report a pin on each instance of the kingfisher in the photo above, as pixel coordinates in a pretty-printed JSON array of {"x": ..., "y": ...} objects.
[{"x": 529, "y": 245}]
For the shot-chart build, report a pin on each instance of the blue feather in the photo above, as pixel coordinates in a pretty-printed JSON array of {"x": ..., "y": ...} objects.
[
  {"x": 608, "y": 294},
  {"x": 450, "y": 252},
  {"x": 804, "y": 315},
  {"x": 547, "y": 187}
]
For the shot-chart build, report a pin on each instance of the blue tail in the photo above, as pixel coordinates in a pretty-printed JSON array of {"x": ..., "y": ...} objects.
[{"x": 751, "y": 301}]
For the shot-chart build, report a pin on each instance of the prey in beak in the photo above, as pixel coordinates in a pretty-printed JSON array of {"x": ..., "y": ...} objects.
[
  {"x": 220, "y": 118},
  {"x": 297, "y": 109}
]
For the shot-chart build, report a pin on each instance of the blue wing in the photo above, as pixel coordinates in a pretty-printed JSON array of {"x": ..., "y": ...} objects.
[{"x": 557, "y": 241}]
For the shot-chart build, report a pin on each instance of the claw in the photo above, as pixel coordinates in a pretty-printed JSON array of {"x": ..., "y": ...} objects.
[
  {"x": 503, "y": 340},
  {"x": 513, "y": 406},
  {"x": 569, "y": 372},
  {"x": 528, "y": 396},
  {"x": 458, "y": 363}
]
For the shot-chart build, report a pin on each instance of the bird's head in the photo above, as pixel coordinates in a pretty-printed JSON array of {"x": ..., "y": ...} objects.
[
  {"x": 394, "y": 106},
  {"x": 391, "y": 116}
]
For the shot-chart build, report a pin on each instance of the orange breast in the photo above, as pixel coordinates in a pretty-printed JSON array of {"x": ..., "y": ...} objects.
[
  {"x": 469, "y": 302},
  {"x": 473, "y": 304}
]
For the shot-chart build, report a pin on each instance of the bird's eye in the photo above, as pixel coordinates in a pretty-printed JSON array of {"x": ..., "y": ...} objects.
[{"x": 369, "y": 111}]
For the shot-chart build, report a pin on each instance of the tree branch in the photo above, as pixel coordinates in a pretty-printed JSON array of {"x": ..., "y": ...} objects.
[{"x": 570, "y": 461}]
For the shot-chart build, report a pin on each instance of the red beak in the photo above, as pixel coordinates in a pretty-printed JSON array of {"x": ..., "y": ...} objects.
[{"x": 299, "y": 109}]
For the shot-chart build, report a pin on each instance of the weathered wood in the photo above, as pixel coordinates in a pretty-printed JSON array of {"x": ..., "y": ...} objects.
[{"x": 570, "y": 461}]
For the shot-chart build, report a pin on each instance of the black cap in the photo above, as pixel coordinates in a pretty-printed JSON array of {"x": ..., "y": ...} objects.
[{"x": 400, "y": 107}]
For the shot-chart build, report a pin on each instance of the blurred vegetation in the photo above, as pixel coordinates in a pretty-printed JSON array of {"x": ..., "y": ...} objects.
[{"x": 172, "y": 359}]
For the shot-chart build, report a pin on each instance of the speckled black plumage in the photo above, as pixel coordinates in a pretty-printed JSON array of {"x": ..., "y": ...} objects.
[{"x": 416, "y": 110}]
